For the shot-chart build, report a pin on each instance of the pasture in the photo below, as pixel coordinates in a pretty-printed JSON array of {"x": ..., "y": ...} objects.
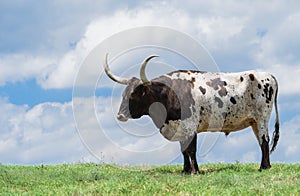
[{"x": 93, "y": 179}]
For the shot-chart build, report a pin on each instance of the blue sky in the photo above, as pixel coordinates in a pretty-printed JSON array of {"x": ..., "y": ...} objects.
[
  {"x": 33, "y": 94},
  {"x": 43, "y": 45}
]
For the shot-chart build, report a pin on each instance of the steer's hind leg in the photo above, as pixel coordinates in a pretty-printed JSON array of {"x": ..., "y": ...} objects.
[
  {"x": 265, "y": 160},
  {"x": 188, "y": 148},
  {"x": 261, "y": 133}
]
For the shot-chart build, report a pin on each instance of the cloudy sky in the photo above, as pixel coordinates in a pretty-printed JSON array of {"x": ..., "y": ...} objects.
[{"x": 44, "y": 45}]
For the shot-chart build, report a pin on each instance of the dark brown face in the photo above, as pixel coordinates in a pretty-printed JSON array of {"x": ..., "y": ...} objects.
[
  {"x": 174, "y": 95},
  {"x": 135, "y": 102}
]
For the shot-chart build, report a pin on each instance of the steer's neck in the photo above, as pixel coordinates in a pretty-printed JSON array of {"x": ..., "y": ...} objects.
[{"x": 164, "y": 104}]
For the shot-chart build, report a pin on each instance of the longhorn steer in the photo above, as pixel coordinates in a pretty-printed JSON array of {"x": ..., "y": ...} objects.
[{"x": 195, "y": 102}]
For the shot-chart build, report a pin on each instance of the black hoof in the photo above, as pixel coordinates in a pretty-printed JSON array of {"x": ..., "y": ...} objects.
[
  {"x": 189, "y": 172},
  {"x": 194, "y": 172},
  {"x": 264, "y": 168},
  {"x": 186, "y": 172}
]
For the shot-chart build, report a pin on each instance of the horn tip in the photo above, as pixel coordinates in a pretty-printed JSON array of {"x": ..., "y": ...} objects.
[
  {"x": 150, "y": 57},
  {"x": 105, "y": 65}
]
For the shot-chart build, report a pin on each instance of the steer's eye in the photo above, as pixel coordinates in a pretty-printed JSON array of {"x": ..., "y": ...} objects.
[{"x": 134, "y": 95}]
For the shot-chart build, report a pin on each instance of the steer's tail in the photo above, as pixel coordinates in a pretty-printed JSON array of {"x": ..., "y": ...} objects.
[{"x": 276, "y": 131}]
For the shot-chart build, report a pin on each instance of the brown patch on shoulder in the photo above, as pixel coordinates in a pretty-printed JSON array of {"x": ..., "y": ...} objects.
[
  {"x": 215, "y": 83},
  {"x": 251, "y": 76}
]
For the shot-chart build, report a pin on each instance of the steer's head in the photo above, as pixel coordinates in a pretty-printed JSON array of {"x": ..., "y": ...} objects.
[{"x": 136, "y": 96}]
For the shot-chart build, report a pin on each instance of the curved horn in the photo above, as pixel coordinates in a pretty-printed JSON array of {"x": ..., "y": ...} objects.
[
  {"x": 142, "y": 70},
  {"x": 111, "y": 75}
]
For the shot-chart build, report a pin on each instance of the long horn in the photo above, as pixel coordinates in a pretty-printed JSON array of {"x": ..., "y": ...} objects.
[
  {"x": 111, "y": 75},
  {"x": 142, "y": 70}
]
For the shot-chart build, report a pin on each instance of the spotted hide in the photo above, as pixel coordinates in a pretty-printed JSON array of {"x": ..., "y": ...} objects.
[{"x": 192, "y": 102}]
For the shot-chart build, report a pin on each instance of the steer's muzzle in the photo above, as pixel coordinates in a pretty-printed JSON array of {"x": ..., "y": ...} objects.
[{"x": 122, "y": 117}]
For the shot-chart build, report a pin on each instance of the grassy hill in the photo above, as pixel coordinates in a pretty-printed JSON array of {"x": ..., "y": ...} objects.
[{"x": 92, "y": 179}]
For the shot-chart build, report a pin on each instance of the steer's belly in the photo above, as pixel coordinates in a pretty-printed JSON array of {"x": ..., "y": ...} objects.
[
  {"x": 181, "y": 130},
  {"x": 225, "y": 126}
]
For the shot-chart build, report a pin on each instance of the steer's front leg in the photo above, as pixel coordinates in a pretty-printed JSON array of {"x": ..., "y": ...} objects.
[
  {"x": 186, "y": 163},
  {"x": 188, "y": 148}
]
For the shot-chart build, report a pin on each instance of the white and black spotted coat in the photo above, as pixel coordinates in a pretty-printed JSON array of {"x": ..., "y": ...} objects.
[{"x": 223, "y": 102}]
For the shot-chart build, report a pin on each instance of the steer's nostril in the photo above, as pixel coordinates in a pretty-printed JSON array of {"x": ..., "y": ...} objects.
[{"x": 121, "y": 117}]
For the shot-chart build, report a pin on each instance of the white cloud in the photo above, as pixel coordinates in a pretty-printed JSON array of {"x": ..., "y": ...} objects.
[
  {"x": 281, "y": 43},
  {"x": 42, "y": 134},
  {"x": 61, "y": 74},
  {"x": 250, "y": 157},
  {"x": 20, "y": 67}
]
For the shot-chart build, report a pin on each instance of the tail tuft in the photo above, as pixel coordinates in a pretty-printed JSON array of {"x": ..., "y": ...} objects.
[
  {"x": 275, "y": 137},
  {"x": 276, "y": 131}
]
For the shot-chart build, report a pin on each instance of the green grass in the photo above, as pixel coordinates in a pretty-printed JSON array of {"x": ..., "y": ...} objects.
[{"x": 92, "y": 179}]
